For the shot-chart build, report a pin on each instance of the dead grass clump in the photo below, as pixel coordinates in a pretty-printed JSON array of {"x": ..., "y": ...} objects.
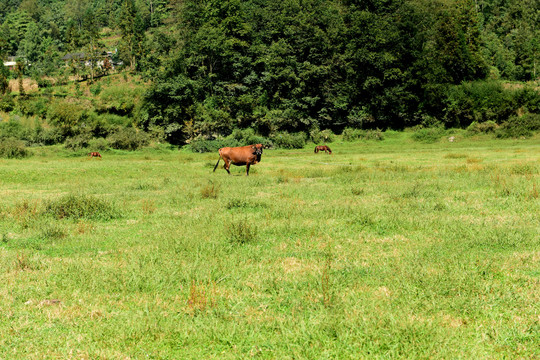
[
  {"x": 210, "y": 191},
  {"x": 148, "y": 207},
  {"x": 201, "y": 297}
]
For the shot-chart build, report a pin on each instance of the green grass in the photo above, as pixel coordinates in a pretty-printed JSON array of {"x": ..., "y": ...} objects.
[{"x": 386, "y": 249}]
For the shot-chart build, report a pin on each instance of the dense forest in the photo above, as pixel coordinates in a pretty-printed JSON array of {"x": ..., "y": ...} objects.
[{"x": 210, "y": 67}]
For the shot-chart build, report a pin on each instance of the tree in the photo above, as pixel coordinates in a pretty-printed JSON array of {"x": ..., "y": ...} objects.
[
  {"x": 4, "y": 83},
  {"x": 132, "y": 30}
]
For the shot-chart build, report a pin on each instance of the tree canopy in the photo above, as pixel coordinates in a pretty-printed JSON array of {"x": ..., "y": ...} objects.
[{"x": 291, "y": 65}]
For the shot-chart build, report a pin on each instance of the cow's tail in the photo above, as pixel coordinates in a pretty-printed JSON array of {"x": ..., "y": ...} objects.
[{"x": 215, "y": 167}]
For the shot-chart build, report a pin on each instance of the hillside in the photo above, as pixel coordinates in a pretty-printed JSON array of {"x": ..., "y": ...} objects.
[{"x": 212, "y": 67}]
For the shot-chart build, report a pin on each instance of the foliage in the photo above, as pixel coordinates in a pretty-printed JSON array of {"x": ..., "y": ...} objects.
[
  {"x": 482, "y": 127},
  {"x": 119, "y": 100},
  {"x": 6, "y": 103},
  {"x": 12, "y": 148},
  {"x": 351, "y": 134},
  {"x": 519, "y": 126},
  {"x": 486, "y": 101},
  {"x": 287, "y": 140},
  {"x": 293, "y": 66},
  {"x": 127, "y": 139},
  {"x": 429, "y": 135},
  {"x": 78, "y": 142},
  {"x": 317, "y": 136},
  {"x": 31, "y": 106},
  {"x": 66, "y": 116},
  {"x": 201, "y": 145}
]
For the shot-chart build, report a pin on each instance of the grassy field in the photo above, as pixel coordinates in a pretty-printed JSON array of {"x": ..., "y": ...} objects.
[{"x": 391, "y": 249}]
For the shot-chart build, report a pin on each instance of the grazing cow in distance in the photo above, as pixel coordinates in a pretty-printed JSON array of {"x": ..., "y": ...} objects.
[
  {"x": 240, "y": 156},
  {"x": 94, "y": 154},
  {"x": 324, "y": 148}
]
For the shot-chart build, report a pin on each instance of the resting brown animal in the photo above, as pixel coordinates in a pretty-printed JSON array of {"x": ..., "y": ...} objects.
[
  {"x": 94, "y": 154},
  {"x": 324, "y": 148},
  {"x": 239, "y": 156}
]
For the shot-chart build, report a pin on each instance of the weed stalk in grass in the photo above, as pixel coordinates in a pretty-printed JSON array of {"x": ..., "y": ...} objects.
[
  {"x": 325, "y": 277},
  {"x": 210, "y": 191}
]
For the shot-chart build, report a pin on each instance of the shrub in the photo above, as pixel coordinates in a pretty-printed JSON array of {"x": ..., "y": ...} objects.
[
  {"x": 66, "y": 116},
  {"x": 248, "y": 137},
  {"x": 351, "y": 134},
  {"x": 127, "y": 139},
  {"x": 78, "y": 142},
  {"x": 44, "y": 83},
  {"x": 98, "y": 144},
  {"x": 317, "y": 136},
  {"x": 519, "y": 126},
  {"x": 12, "y": 148},
  {"x": 6, "y": 103},
  {"x": 119, "y": 100},
  {"x": 81, "y": 207},
  {"x": 201, "y": 145},
  {"x": 95, "y": 89},
  {"x": 482, "y": 128},
  {"x": 44, "y": 136},
  {"x": 287, "y": 140},
  {"x": 429, "y": 135},
  {"x": 12, "y": 129},
  {"x": 483, "y": 101}
]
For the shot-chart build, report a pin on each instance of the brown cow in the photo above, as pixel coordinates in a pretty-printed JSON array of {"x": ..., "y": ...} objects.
[
  {"x": 94, "y": 154},
  {"x": 239, "y": 156},
  {"x": 324, "y": 148}
]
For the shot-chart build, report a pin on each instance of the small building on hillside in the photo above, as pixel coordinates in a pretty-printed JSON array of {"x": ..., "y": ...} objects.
[
  {"x": 103, "y": 60},
  {"x": 10, "y": 63}
]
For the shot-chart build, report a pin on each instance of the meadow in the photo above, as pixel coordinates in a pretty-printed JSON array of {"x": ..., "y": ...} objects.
[{"x": 385, "y": 249}]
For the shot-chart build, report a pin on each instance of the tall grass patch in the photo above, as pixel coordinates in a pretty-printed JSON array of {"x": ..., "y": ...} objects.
[
  {"x": 240, "y": 232},
  {"x": 80, "y": 206}
]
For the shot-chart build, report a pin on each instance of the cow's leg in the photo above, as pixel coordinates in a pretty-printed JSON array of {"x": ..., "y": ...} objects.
[
  {"x": 247, "y": 169},
  {"x": 227, "y": 165}
]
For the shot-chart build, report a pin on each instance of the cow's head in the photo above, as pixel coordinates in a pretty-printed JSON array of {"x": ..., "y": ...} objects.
[{"x": 257, "y": 150}]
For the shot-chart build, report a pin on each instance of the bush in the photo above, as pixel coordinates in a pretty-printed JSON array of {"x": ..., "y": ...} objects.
[
  {"x": 12, "y": 129},
  {"x": 317, "y": 136},
  {"x": 43, "y": 136},
  {"x": 13, "y": 148},
  {"x": 519, "y": 126},
  {"x": 31, "y": 106},
  {"x": 482, "y": 128},
  {"x": 119, "y": 100},
  {"x": 44, "y": 83},
  {"x": 202, "y": 146},
  {"x": 483, "y": 101},
  {"x": 66, "y": 116},
  {"x": 248, "y": 137},
  {"x": 429, "y": 135},
  {"x": 81, "y": 207},
  {"x": 6, "y": 103},
  {"x": 127, "y": 139},
  {"x": 286, "y": 140},
  {"x": 350, "y": 134},
  {"x": 78, "y": 142},
  {"x": 98, "y": 144}
]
